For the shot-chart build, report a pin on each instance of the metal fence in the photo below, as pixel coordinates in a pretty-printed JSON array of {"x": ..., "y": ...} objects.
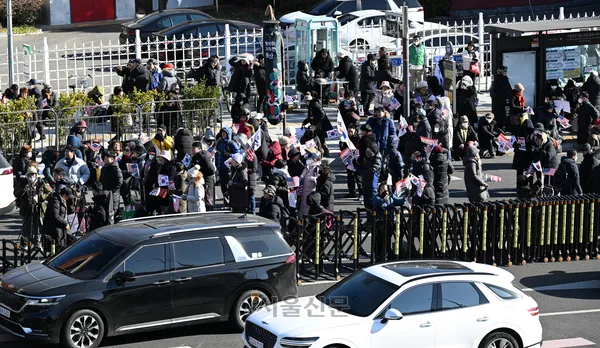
[
  {"x": 108, "y": 122},
  {"x": 94, "y": 63}
]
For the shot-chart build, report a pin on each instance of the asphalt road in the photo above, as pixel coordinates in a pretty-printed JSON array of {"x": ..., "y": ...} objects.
[{"x": 568, "y": 295}]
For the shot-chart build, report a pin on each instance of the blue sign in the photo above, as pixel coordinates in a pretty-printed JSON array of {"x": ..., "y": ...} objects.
[{"x": 396, "y": 61}]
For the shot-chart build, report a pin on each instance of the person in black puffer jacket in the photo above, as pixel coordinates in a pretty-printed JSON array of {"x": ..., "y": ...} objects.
[
  {"x": 279, "y": 180},
  {"x": 183, "y": 143},
  {"x": 209, "y": 72},
  {"x": 421, "y": 166},
  {"x": 487, "y": 133},
  {"x": 395, "y": 164},
  {"x": 384, "y": 73},
  {"x": 304, "y": 82},
  {"x": 592, "y": 87},
  {"x": 261, "y": 82},
  {"x": 111, "y": 179},
  {"x": 346, "y": 70},
  {"x": 591, "y": 160},
  {"x": 322, "y": 64},
  {"x": 295, "y": 166},
  {"x": 367, "y": 81},
  {"x": 442, "y": 169},
  {"x": 501, "y": 93},
  {"x": 241, "y": 76},
  {"x": 369, "y": 162},
  {"x": 325, "y": 183},
  {"x": 135, "y": 76},
  {"x": 544, "y": 152}
]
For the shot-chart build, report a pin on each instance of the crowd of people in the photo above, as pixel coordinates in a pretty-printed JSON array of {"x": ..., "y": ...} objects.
[{"x": 391, "y": 159}]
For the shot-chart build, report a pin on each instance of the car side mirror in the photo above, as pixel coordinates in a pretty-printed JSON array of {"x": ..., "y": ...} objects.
[
  {"x": 391, "y": 314},
  {"x": 337, "y": 13},
  {"x": 124, "y": 277}
]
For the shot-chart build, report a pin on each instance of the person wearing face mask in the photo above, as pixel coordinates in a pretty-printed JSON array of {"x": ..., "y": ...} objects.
[
  {"x": 587, "y": 114},
  {"x": 439, "y": 128},
  {"x": 423, "y": 129},
  {"x": 111, "y": 179},
  {"x": 195, "y": 193},
  {"x": 422, "y": 167},
  {"x": 553, "y": 91},
  {"x": 325, "y": 186},
  {"x": 203, "y": 159},
  {"x": 21, "y": 162},
  {"x": 523, "y": 154},
  {"x": 237, "y": 187},
  {"x": 477, "y": 188},
  {"x": 161, "y": 140},
  {"x": 131, "y": 188},
  {"x": 517, "y": 107},
  {"x": 368, "y": 82},
  {"x": 384, "y": 97},
  {"x": 75, "y": 168},
  {"x": 417, "y": 60},
  {"x": 322, "y": 64},
  {"x": 162, "y": 165},
  {"x": 304, "y": 82},
  {"x": 317, "y": 117},
  {"x": 544, "y": 150},
  {"x": 383, "y": 128},
  {"x": 487, "y": 133},
  {"x": 469, "y": 56},
  {"x": 463, "y": 134}
]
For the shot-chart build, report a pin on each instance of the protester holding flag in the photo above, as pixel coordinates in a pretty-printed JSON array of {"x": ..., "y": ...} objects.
[
  {"x": 544, "y": 151},
  {"x": 178, "y": 186},
  {"x": 225, "y": 147},
  {"x": 382, "y": 127},
  {"x": 353, "y": 175},
  {"x": 317, "y": 117},
  {"x": 348, "y": 108},
  {"x": 422, "y": 170},
  {"x": 183, "y": 143},
  {"x": 463, "y": 134},
  {"x": 237, "y": 187},
  {"x": 203, "y": 158},
  {"x": 309, "y": 178},
  {"x": 157, "y": 182},
  {"x": 423, "y": 131},
  {"x": 369, "y": 164},
  {"x": 487, "y": 131}
]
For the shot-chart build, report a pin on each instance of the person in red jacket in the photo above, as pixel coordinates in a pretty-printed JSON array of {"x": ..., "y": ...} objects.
[{"x": 269, "y": 163}]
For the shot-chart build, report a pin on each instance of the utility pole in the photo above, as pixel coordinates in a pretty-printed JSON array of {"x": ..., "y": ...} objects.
[
  {"x": 405, "y": 63},
  {"x": 11, "y": 70}
]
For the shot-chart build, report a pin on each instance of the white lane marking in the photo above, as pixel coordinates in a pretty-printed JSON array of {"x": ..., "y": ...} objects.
[
  {"x": 566, "y": 343},
  {"x": 588, "y": 284},
  {"x": 583, "y": 311}
]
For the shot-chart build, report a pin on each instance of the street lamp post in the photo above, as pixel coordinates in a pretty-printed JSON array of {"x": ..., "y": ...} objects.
[{"x": 11, "y": 71}]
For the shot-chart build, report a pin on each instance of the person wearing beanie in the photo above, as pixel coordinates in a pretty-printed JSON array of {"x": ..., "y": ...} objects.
[
  {"x": 294, "y": 165},
  {"x": 271, "y": 205},
  {"x": 170, "y": 82},
  {"x": 284, "y": 141},
  {"x": 442, "y": 171},
  {"x": 111, "y": 179},
  {"x": 237, "y": 187}
]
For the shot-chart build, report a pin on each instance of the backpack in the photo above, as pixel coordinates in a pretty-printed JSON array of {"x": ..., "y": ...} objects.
[{"x": 560, "y": 177}]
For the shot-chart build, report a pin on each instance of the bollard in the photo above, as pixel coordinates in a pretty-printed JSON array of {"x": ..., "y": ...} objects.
[
  {"x": 563, "y": 234},
  {"x": 501, "y": 231},
  {"x": 592, "y": 218},
  {"x": 383, "y": 242},
  {"x": 571, "y": 235},
  {"x": 397, "y": 231},
  {"x": 299, "y": 247},
  {"x": 336, "y": 255},
  {"x": 542, "y": 228},
  {"x": 528, "y": 238},
  {"x": 317, "y": 248},
  {"x": 355, "y": 243},
  {"x": 581, "y": 221},
  {"x": 421, "y": 232},
  {"x": 465, "y": 232},
  {"x": 556, "y": 227},
  {"x": 516, "y": 233},
  {"x": 53, "y": 248},
  {"x": 484, "y": 233},
  {"x": 444, "y": 227}
]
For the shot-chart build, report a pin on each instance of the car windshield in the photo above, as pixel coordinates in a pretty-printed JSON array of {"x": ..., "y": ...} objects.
[
  {"x": 323, "y": 8},
  {"x": 86, "y": 258},
  {"x": 360, "y": 295}
]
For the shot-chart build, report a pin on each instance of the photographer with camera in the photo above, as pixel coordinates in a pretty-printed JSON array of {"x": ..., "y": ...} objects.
[
  {"x": 55, "y": 220},
  {"x": 74, "y": 167},
  {"x": 31, "y": 192}
]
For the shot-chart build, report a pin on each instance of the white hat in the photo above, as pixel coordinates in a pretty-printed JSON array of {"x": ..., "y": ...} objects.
[
  {"x": 385, "y": 84},
  {"x": 237, "y": 157},
  {"x": 257, "y": 116},
  {"x": 307, "y": 97},
  {"x": 165, "y": 154},
  {"x": 340, "y": 54},
  {"x": 422, "y": 84},
  {"x": 289, "y": 131},
  {"x": 194, "y": 171}
]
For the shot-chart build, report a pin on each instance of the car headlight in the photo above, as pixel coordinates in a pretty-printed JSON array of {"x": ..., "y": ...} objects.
[
  {"x": 44, "y": 301},
  {"x": 295, "y": 342}
]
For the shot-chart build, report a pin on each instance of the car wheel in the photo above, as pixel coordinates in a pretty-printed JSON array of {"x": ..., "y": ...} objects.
[
  {"x": 248, "y": 303},
  {"x": 499, "y": 340},
  {"x": 84, "y": 329}
]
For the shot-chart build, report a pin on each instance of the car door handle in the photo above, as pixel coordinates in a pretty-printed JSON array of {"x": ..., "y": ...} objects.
[
  {"x": 162, "y": 282},
  {"x": 483, "y": 319},
  {"x": 181, "y": 280},
  {"x": 427, "y": 324}
]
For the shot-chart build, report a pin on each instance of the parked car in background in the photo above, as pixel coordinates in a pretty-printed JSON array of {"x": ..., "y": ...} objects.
[
  {"x": 148, "y": 274},
  {"x": 336, "y": 8},
  {"x": 194, "y": 41},
  {"x": 157, "y": 21},
  {"x": 7, "y": 199},
  {"x": 412, "y": 304}
]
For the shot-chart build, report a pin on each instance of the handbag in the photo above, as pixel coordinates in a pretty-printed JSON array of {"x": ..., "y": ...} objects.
[{"x": 475, "y": 68}]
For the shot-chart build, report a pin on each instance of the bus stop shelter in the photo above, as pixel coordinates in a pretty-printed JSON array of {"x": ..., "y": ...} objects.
[{"x": 536, "y": 53}]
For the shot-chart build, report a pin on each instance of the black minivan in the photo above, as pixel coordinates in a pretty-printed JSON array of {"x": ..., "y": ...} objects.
[{"x": 148, "y": 274}]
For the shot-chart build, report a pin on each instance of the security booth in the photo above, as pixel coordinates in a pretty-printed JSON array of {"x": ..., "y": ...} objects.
[
  {"x": 537, "y": 53},
  {"x": 313, "y": 35}
]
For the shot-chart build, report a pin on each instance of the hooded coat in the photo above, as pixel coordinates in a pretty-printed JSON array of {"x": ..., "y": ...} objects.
[
  {"x": 424, "y": 168},
  {"x": 304, "y": 82},
  {"x": 384, "y": 130},
  {"x": 467, "y": 99},
  {"x": 225, "y": 148},
  {"x": 323, "y": 67},
  {"x": 241, "y": 78},
  {"x": 211, "y": 75},
  {"x": 271, "y": 208},
  {"x": 170, "y": 82},
  {"x": 136, "y": 78},
  {"x": 273, "y": 156},
  {"x": 546, "y": 154},
  {"x": 442, "y": 169},
  {"x": 395, "y": 164},
  {"x": 522, "y": 159},
  {"x": 439, "y": 128},
  {"x": 572, "y": 186},
  {"x": 325, "y": 188},
  {"x": 195, "y": 197},
  {"x": 367, "y": 77},
  {"x": 346, "y": 70},
  {"x": 592, "y": 87},
  {"x": 55, "y": 219},
  {"x": 183, "y": 143},
  {"x": 474, "y": 181},
  {"x": 238, "y": 190},
  {"x": 315, "y": 206},
  {"x": 586, "y": 168}
]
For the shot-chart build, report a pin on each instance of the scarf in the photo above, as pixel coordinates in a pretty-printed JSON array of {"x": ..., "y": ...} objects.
[{"x": 519, "y": 95}]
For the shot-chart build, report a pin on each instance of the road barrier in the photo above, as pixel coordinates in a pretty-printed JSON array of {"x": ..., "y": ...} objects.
[{"x": 499, "y": 233}]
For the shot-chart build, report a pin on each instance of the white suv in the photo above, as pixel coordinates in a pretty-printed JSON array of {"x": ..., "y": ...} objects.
[{"x": 413, "y": 304}]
